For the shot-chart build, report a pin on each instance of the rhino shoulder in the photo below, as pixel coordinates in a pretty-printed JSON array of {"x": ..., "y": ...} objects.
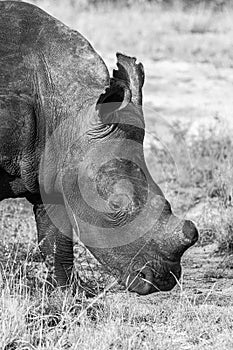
[{"x": 35, "y": 40}]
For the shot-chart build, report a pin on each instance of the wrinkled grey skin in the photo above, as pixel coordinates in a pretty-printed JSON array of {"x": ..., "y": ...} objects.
[{"x": 61, "y": 116}]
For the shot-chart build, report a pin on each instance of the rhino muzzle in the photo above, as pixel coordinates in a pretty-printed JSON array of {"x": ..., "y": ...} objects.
[
  {"x": 182, "y": 238},
  {"x": 159, "y": 273}
]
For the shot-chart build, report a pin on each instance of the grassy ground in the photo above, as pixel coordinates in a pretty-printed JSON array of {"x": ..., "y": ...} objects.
[{"x": 188, "y": 110}]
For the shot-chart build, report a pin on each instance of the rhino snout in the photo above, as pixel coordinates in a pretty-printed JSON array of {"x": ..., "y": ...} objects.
[{"x": 190, "y": 233}]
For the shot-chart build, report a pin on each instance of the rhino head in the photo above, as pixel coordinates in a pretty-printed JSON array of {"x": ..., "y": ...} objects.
[{"x": 122, "y": 216}]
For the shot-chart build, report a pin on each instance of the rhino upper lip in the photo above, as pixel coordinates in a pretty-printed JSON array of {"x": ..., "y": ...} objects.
[
  {"x": 142, "y": 276},
  {"x": 157, "y": 285},
  {"x": 150, "y": 264}
]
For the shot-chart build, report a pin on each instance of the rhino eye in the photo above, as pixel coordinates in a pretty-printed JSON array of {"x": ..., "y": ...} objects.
[
  {"x": 115, "y": 205},
  {"x": 120, "y": 201}
]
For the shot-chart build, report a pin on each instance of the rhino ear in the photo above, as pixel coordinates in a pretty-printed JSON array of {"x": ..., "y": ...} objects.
[
  {"x": 117, "y": 96},
  {"x": 132, "y": 73}
]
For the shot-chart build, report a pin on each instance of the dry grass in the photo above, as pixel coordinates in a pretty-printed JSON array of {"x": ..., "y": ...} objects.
[{"x": 119, "y": 321}]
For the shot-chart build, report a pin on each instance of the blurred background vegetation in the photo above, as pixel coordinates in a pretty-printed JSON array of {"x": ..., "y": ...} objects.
[{"x": 185, "y": 3}]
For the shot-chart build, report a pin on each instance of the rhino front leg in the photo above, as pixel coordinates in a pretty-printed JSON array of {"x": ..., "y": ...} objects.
[{"x": 55, "y": 241}]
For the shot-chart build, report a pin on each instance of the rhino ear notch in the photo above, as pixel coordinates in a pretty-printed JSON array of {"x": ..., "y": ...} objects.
[
  {"x": 116, "y": 97},
  {"x": 132, "y": 73}
]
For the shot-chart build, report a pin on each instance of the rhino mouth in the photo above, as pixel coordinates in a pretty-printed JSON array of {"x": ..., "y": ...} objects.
[
  {"x": 143, "y": 274},
  {"x": 150, "y": 279}
]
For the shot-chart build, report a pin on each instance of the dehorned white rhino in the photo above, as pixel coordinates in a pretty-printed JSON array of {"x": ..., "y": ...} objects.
[{"x": 71, "y": 142}]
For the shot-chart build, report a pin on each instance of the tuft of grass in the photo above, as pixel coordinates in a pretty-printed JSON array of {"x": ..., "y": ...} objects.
[
  {"x": 225, "y": 231},
  {"x": 213, "y": 161},
  {"x": 198, "y": 20}
]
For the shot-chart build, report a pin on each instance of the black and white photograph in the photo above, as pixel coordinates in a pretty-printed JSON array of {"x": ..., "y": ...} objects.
[{"x": 116, "y": 174}]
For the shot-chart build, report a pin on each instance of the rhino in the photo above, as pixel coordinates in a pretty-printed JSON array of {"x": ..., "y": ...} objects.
[{"x": 71, "y": 141}]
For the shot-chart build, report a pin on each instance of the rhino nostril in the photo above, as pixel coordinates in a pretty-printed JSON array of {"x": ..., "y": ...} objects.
[
  {"x": 190, "y": 231},
  {"x": 142, "y": 275},
  {"x": 140, "y": 281}
]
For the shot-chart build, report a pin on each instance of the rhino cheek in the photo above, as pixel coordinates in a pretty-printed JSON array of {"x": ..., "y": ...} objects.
[
  {"x": 132, "y": 258},
  {"x": 113, "y": 261}
]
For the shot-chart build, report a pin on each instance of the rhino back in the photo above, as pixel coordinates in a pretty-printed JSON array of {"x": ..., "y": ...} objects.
[
  {"x": 32, "y": 41},
  {"x": 47, "y": 73}
]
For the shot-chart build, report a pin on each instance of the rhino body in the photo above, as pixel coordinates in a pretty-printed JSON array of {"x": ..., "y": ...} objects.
[{"x": 71, "y": 143}]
